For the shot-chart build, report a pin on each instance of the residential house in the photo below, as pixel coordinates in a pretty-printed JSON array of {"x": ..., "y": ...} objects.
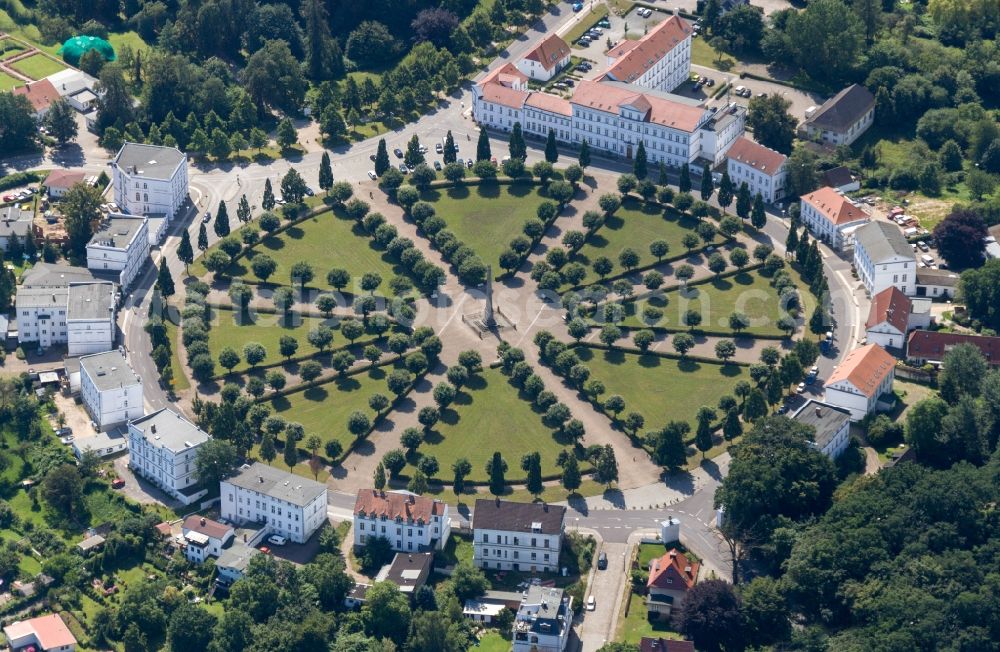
[
  {"x": 408, "y": 570},
  {"x": 43, "y": 633},
  {"x": 120, "y": 243},
  {"x": 544, "y": 620},
  {"x": 150, "y": 179},
  {"x": 831, "y": 216},
  {"x": 859, "y": 382},
  {"x": 90, "y": 318},
  {"x": 546, "y": 59},
  {"x": 43, "y": 305},
  {"x": 883, "y": 258},
  {"x": 892, "y": 316},
  {"x": 77, "y": 87},
  {"x": 670, "y": 578},
  {"x": 831, "y": 423},
  {"x": 840, "y": 178},
  {"x": 660, "y": 60},
  {"x": 41, "y": 94},
  {"x": 517, "y": 536},
  {"x": 59, "y": 182},
  {"x": 924, "y": 347},
  {"x": 162, "y": 449},
  {"x": 15, "y": 222},
  {"x": 761, "y": 168},
  {"x": 498, "y": 99},
  {"x": 649, "y": 644},
  {"x": 936, "y": 283},
  {"x": 410, "y": 523},
  {"x": 233, "y": 562},
  {"x": 204, "y": 538},
  {"x": 103, "y": 444},
  {"x": 289, "y": 505},
  {"x": 110, "y": 390},
  {"x": 490, "y": 605},
  {"x": 843, "y": 118}
]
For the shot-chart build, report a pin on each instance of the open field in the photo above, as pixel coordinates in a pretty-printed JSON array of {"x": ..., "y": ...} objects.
[
  {"x": 489, "y": 415},
  {"x": 235, "y": 329},
  {"x": 487, "y": 216},
  {"x": 746, "y": 292},
  {"x": 661, "y": 389},
  {"x": 635, "y": 225},
  {"x": 37, "y": 66}
]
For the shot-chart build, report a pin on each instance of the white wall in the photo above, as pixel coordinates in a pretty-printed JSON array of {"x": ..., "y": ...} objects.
[
  {"x": 402, "y": 536},
  {"x": 505, "y": 553},
  {"x": 140, "y": 195},
  {"x": 294, "y": 523},
  {"x": 112, "y": 406},
  {"x": 770, "y": 187},
  {"x": 86, "y": 336}
]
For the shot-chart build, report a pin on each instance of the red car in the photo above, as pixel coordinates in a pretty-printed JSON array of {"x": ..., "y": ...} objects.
[
  {"x": 10, "y": 197},
  {"x": 117, "y": 483}
]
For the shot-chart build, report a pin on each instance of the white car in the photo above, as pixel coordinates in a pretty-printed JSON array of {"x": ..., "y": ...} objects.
[
  {"x": 801, "y": 388},
  {"x": 591, "y": 603},
  {"x": 277, "y": 540},
  {"x": 372, "y": 175}
]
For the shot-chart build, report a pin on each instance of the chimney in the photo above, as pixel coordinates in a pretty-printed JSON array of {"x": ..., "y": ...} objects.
[{"x": 819, "y": 411}]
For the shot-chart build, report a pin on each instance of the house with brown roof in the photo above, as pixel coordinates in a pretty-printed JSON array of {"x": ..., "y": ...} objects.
[
  {"x": 831, "y": 216},
  {"x": 888, "y": 319},
  {"x": 649, "y": 644},
  {"x": 761, "y": 168},
  {"x": 509, "y": 535},
  {"x": 861, "y": 380},
  {"x": 546, "y": 59},
  {"x": 660, "y": 60},
  {"x": 410, "y": 523},
  {"x": 204, "y": 538},
  {"x": 670, "y": 578},
  {"x": 843, "y": 118},
  {"x": 925, "y": 347},
  {"x": 60, "y": 181},
  {"x": 44, "y": 633},
  {"x": 41, "y": 94}
]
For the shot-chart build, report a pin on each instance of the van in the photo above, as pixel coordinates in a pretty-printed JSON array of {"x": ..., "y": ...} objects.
[{"x": 927, "y": 259}]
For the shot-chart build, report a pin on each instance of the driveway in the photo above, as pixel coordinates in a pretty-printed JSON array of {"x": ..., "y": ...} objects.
[
  {"x": 142, "y": 491},
  {"x": 606, "y": 586}
]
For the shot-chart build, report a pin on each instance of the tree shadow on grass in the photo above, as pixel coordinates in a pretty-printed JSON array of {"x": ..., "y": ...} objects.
[
  {"x": 743, "y": 278},
  {"x": 520, "y": 189},
  {"x": 271, "y": 244},
  {"x": 488, "y": 190},
  {"x": 458, "y": 192},
  {"x": 430, "y": 195},
  {"x": 722, "y": 284},
  {"x": 688, "y": 366},
  {"x": 615, "y": 357},
  {"x": 448, "y": 417},
  {"x": 316, "y": 394},
  {"x": 730, "y": 370},
  {"x": 433, "y": 437},
  {"x": 650, "y": 361},
  {"x": 281, "y": 404},
  {"x": 348, "y": 384}
]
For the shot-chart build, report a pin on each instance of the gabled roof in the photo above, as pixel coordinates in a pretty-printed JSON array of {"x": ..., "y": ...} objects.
[
  {"x": 838, "y": 177},
  {"x": 397, "y": 504},
  {"x": 206, "y": 526},
  {"x": 756, "y": 156},
  {"x": 932, "y": 345},
  {"x": 843, "y": 109},
  {"x": 504, "y": 95},
  {"x": 64, "y": 178},
  {"x": 942, "y": 277},
  {"x": 883, "y": 241},
  {"x": 549, "y": 52},
  {"x": 673, "y": 571},
  {"x": 550, "y": 103},
  {"x": 504, "y": 75},
  {"x": 41, "y": 94},
  {"x": 517, "y": 517},
  {"x": 610, "y": 97},
  {"x": 892, "y": 306},
  {"x": 50, "y": 630},
  {"x": 864, "y": 368},
  {"x": 834, "y": 206},
  {"x": 650, "y": 48}
]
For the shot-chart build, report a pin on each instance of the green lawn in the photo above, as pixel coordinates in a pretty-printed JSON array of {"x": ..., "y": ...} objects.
[
  {"x": 37, "y": 66},
  {"x": 661, "y": 389},
  {"x": 703, "y": 54},
  {"x": 635, "y": 225},
  {"x": 491, "y": 641},
  {"x": 10, "y": 48},
  {"x": 235, "y": 329},
  {"x": 635, "y": 626},
  {"x": 8, "y": 82},
  {"x": 328, "y": 240},
  {"x": 489, "y": 415},
  {"x": 746, "y": 292},
  {"x": 180, "y": 380},
  {"x": 132, "y": 39},
  {"x": 487, "y": 216},
  {"x": 323, "y": 410}
]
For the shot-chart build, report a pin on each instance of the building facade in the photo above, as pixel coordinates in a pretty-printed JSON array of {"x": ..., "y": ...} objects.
[
  {"x": 410, "y": 523},
  {"x": 204, "y": 538},
  {"x": 120, "y": 244},
  {"x": 162, "y": 448},
  {"x": 889, "y": 319},
  {"x": 149, "y": 179},
  {"x": 831, "y": 217},
  {"x": 517, "y": 536},
  {"x": 45, "y": 633},
  {"x": 761, "y": 168},
  {"x": 930, "y": 347},
  {"x": 660, "y": 60},
  {"x": 110, "y": 390},
  {"x": 843, "y": 118},
  {"x": 543, "y": 621},
  {"x": 857, "y": 384},
  {"x": 832, "y": 425},
  {"x": 288, "y": 505},
  {"x": 883, "y": 258},
  {"x": 90, "y": 318},
  {"x": 546, "y": 60},
  {"x": 670, "y": 578}
]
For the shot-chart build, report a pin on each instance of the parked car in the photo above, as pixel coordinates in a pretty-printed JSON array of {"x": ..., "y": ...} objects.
[
  {"x": 310, "y": 192},
  {"x": 591, "y": 603},
  {"x": 207, "y": 217},
  {"x": 371, "y": 157},
  {"x": 577, "y": 6},
  {"x": 438, "y": 148},
  {"x": 710, "y": 82},
  {"x": 602, "y": 561},
  {"x": 403, "y": 168},
  {"x": 117, "y": 483},
  {"x": 469, "y": 163},
  {"x": 604, "y": 22},
  {"x": 398, "y": 152},
  {"x": 437, "y": 165},
  {"x": 560, "y": 86},
  {"x": 10, "y": 196},
  {"x": 62, "y": 432},
  {"x": 568, "y": 81},
  {"x": 800, "y": 388},
  {"x": 277, "y": 540},
  {"x": 279, "y": 200},
  {"x": 372, "y": 175},
  {"x": 422, "y": 149}
]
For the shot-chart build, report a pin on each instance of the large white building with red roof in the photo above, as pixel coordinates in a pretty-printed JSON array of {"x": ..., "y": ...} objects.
[
  {"x": 860, "y": 380},
  {"x": 546, "y": 59},
  {"x": 831, "y": 216},
  {"x": 410, "y": 523},
  {"x": 761, "y": 168},
  {"x": 660, "y": 60}
]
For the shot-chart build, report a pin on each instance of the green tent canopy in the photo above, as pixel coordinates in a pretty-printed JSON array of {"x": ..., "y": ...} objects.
[{"x": 77, "y": 46}]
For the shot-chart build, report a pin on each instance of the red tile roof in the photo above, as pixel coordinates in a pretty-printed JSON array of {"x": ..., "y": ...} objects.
[
  {"x": 658, "y": 110},
  {"x": 64, "y": 178},
  {"x": 834, "y": 206},
  {"x": 206, "y": 526},
  {"x": 393, "y": 505},
  {"x": 504, "y": 96},
  {"x": 40, "y": 93},
  {"x": 549, "y": 52},
  {"x": 51, "y": 632},
  {"x": 865, "y": 368},
  {"x": 550, "y": 103},
  {"x": 756, "y": 156},
  {"x": 932, "y": 345},
  {"x": 673, "y": 571},
  {"x": 890, "y": 305},
  {"x": 650, "y": 48},
  {"x": 504, "y": 74}
]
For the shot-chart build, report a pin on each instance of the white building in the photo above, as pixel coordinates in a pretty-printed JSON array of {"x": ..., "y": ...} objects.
[
  {"x": 162, "y": 449},
  {"x": 408, "y": 521},
  {"x": 59, "y": 182},
  {"x": 15, "y": 222},
  {"x": 121, "y": 244},
  {"x": 843, "y": 118},
  {"x": 110, "y": 390},
  {"x": 149, "y": 179},
  {"x": 832, "y": 425},
  {"x": 42, "y": 304},
  {"x": 547, "y": 58},
  {"x": 892, "y": 316},
  {"x": 90, "y": 318},
  {"x": 936, "y": 283},
  {"x": 288, "y": 505},
  {"x": 517, "y": 536},
  {"x": 77, "y": 87},
  {"x": 46, "y": 633},
  {"x": 883, "y": 258},
  {"x": 544, "y": 620},
  {"x": 233, "y": 562},
  {"x": 660, "y": 60},
  {"x": 831, "y": 216},
  {"x": 858, "y": 382},
  {"x": 761, "y": 168},
  {"x": 204, "y": 538},
  {"x": 102, "y": 444}
]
